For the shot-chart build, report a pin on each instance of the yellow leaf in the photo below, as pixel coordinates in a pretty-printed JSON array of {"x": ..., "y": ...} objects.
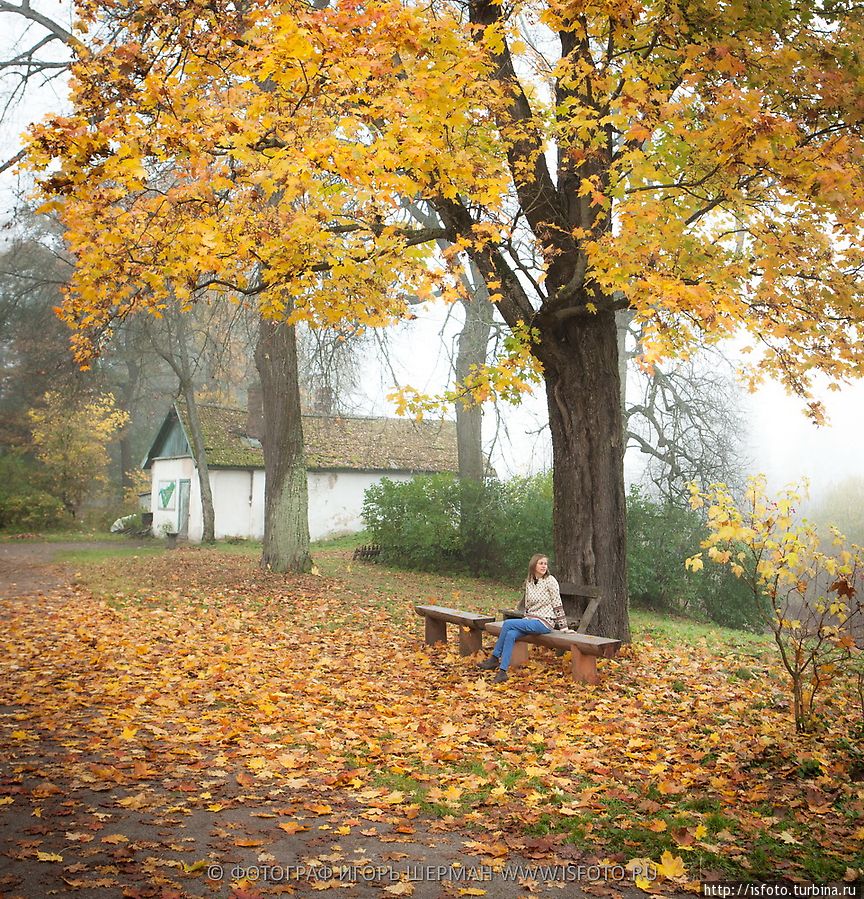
[
  {"x": 671, "y": 867},
  {"x": 292, "y": 827},
  {"x": 49, "y": 857},
  {"x": 195, "y": 866},
  {"x": 694, "y": 563},
  {"x": 129, "y": 732},
  {"x": 700, "y": 832},
  {"x": 472, "y": 891},
  {"x": 6, "y": 800},
  {"x": 403, "y": 888},
  {"x": 657, "y": 825}
]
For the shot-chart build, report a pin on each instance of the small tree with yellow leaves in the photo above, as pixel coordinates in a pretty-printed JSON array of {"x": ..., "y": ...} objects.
[
  {"x": 812, "y": 605},
  {"x": 71, "y": 439}
]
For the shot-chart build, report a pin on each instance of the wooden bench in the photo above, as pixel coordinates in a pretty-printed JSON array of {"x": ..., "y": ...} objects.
[
  {"x": 470, "y": 627},
  {"x": 585, "y": 649}
]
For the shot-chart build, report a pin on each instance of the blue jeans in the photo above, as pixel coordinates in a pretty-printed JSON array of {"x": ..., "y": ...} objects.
[{"x": 510, "y": 630}]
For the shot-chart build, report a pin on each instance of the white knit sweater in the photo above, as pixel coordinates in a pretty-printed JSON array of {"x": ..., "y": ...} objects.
[{"x": 543, "y": 600}]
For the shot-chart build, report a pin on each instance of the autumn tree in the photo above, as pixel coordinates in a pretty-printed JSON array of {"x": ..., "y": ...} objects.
[
  {"x": 695, "y": 166},
  {"x": 809, "y": 598},
  {"x": 201, "y": 194},
  {"x": 34, "y": 344},
  {"x": 71, "y": 437}
]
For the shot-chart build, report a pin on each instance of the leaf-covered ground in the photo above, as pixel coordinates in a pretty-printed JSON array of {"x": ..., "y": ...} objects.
[{"x": 167, "y": 713}]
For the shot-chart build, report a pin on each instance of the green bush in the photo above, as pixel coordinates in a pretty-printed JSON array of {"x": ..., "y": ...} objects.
[
  {"x": 660, "y": 537},
  {"x": 32, "y": 511},
  {"x": 416, "y": 522},
  {"x": 24, "y": 504},
  {"x": 437, "y": 522}
]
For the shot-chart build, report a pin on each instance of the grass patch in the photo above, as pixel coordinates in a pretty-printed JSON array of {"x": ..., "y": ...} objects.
[
  {"x": 98, "y": 555},
  {"x": 674, "y": 629},
  {"x": 70, "y": 536}
]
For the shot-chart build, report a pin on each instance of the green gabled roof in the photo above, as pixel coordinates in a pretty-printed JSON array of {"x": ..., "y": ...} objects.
[{"x": 332, "y": 442}]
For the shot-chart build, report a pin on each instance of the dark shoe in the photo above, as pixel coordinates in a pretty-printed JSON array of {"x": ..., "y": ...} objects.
[
  {"x": 489, "y": 664},
  {"x": 501, "y": 676}
]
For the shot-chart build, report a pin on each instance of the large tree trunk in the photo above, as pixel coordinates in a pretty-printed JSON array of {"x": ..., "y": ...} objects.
[
  {"x": 286, "y": 516},
  {"x": 580, "y": 359}
]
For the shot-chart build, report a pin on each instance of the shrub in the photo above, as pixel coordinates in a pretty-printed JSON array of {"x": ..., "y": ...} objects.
[
  {"x": 660, "y": 536},
  {"x": 416, "y": 522},
  {"x": 812, "y": 600},
  {"x": 35, "y": 510},
  {"x": 24, "y": 505},
  {"x": 437, "y": 522}
]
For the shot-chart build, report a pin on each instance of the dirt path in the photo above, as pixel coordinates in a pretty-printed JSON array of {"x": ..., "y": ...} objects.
[
  {"x": 28, "y": 569},
  {"x": 31, "y": 569}
]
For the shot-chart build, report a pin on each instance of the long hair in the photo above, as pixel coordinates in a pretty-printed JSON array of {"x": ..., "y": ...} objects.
[{"x": 532, "y": 565}]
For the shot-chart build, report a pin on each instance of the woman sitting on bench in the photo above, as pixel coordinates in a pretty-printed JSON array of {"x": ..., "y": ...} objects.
[{"x": 543, "y": 614}]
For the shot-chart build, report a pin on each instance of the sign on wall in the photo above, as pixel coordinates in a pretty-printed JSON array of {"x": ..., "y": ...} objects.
[{"x": 167, "y": 495}]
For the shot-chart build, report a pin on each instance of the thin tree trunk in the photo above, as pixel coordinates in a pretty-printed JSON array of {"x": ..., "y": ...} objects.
[
  {"x": 583, "y": 396},
  {"x": 199, "y": 454},
  {"x": 183, "y": 369},
  {"x": 286, "y": 516},
  {"x": 623, "y": 320},
  {"x": 472, "y": 348}
]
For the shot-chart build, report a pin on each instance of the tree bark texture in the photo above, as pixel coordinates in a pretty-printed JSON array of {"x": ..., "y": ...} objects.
[
  {"x": 199, "y": 453},
  {"x": 286, "y": 515},
  {"x": 183, "y": 369},
  {"x": 472, "y": 348},
  {"x": 580, "y": 360}
]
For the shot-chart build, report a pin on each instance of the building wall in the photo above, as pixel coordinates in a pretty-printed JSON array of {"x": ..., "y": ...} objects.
[
  {"x": 165, "y": 472},
  {"x": 335, "y": 500}
]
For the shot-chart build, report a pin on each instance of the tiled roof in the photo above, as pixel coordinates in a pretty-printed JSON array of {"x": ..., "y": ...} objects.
[{"x": 332, "y": 442}]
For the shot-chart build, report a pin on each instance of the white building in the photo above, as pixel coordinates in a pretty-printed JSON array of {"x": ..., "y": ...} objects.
[{"x": 344, "y": 456}]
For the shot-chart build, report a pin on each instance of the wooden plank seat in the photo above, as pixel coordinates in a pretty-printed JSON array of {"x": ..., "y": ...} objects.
[
  {"x": 585, "y": 649},
  {"x": 470, "y": 627}
]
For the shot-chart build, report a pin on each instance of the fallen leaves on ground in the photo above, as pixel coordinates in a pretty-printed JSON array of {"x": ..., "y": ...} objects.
[{"x": 217, "y": 680}]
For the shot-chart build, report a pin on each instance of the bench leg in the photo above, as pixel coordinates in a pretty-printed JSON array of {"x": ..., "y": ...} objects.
[
  {"x": 470, "y": 641},
  {"x": 583, "y": 667},
  {"x": 436, "y": 631},
  {"x": 521, "y": 653}
]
